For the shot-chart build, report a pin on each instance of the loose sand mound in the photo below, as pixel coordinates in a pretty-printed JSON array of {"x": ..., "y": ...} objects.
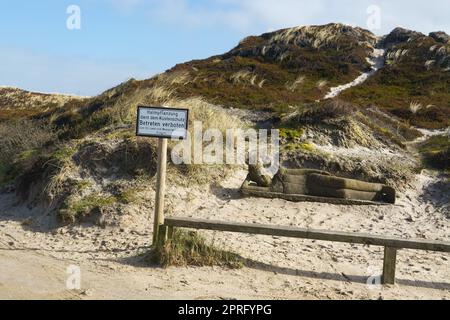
[{"x": 35, "y": 260}]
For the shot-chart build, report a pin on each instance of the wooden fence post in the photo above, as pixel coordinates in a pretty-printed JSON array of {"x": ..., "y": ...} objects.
[
  {"x": 170, "y": 233},
  {"x": 162, "y": 236},
  {"x": 389, "y": 262},
  {"x": 160, "y": 188}
]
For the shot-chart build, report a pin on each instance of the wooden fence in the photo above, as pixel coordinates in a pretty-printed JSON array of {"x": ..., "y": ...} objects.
[{"x": 390, "y": 244}]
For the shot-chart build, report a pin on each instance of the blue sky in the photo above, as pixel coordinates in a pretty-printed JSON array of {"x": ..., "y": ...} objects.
[{"x": 120, "y": 39}]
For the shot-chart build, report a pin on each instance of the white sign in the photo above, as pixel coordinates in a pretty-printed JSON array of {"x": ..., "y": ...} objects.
[{"x": 161, "y": 122}]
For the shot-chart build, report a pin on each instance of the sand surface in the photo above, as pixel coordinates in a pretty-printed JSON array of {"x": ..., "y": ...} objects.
[{"x": 34, "y": 256}]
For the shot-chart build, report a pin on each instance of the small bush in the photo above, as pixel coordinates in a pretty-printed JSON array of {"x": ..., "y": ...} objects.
[
  {"x": 7, "y": 173},
  {"x": 190, "y": 249},
  {"x": 317, "y": 113},
  {"x": 383, "y": 130},
  {"x": 21, "y": 143},
  {"x": 128, "y": 196},
  {"x": 72, "y": 209},
  {"x": 436, "y": 152},
  {"x": 23, "y": 138},
  {"x": 120, "y": 159},
  {"x": 75, "y": 208}
]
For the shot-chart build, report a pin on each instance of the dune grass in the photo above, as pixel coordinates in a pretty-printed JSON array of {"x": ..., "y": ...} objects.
[
  {"x": 191, "y": 249},
  {"x": 72, "y": 210}
]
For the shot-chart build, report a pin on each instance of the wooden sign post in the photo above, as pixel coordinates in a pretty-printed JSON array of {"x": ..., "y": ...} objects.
[
  {"x": 160, "y": 188},
  {"x": 162, "y": 123}
]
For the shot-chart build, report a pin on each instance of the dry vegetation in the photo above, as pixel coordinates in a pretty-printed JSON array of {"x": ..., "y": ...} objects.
[
  {"x": 436, "y": 152},
  {"x": 191, "y": 249},
  {"x": 72, "y": 158},
  {"x": 16, "y": 103},
  {"x": 317, "y": 113},
  {"x": 409, "y": 87},
  {"x": 73, "y": 152},
  {"x": 21, "y": 143},
  {"x": 276, "y": 70}
]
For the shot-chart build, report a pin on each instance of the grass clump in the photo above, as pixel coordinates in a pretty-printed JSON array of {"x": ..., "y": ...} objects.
[
  {"x": 291, "y": 134},
  {"x": 128, "y": 196},
  {"x": 436, "y": 152},
  {"x": 64, "y": 154},
  {"x": 57, "y": 167},
  {"x": 382, "y": 129},
  {"x": 82, "y": 185},
  {"x": 190, "y": 249},
  {"x": 319, "y": 112},
  {"x": 306, "y": 147},
  {"x": 7, "y": 173},
  {"x": 21, "y": 142},
  {"x": 72, "y": 209},
  {"x": 389, "y": 135}
]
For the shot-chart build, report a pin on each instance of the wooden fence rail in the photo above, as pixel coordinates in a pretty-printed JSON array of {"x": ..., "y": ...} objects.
[{"x": 391, "y": 244}]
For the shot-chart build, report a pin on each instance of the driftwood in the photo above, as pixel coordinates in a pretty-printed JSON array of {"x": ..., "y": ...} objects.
[{"x": 316, "y": 186}]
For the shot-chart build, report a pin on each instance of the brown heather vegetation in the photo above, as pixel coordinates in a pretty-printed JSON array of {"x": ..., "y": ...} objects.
[
  {"x": 407, "y": 78},
  {"x": 275, "y": 70}
]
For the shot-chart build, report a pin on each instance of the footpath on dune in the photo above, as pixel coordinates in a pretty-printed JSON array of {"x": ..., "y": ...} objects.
[{"x": 377, "y": 62}]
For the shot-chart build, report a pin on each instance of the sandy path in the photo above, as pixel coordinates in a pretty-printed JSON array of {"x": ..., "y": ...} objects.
[
  {"x": 377, "y": 62},
  {"x": 33, "y": 260}
]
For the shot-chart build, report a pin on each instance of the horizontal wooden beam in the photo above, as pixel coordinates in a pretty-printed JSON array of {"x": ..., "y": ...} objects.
[
  {"x": 261, "y": 192},
  {"x": 322, "y": 235}
]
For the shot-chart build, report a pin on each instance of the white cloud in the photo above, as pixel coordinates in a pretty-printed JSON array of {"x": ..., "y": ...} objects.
[
  {"x": 200, "y": 15},
  {"x": 259, "y": 15},
  {"x": 37, "y": 72},
  {"x": 125, "y": 6}
]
